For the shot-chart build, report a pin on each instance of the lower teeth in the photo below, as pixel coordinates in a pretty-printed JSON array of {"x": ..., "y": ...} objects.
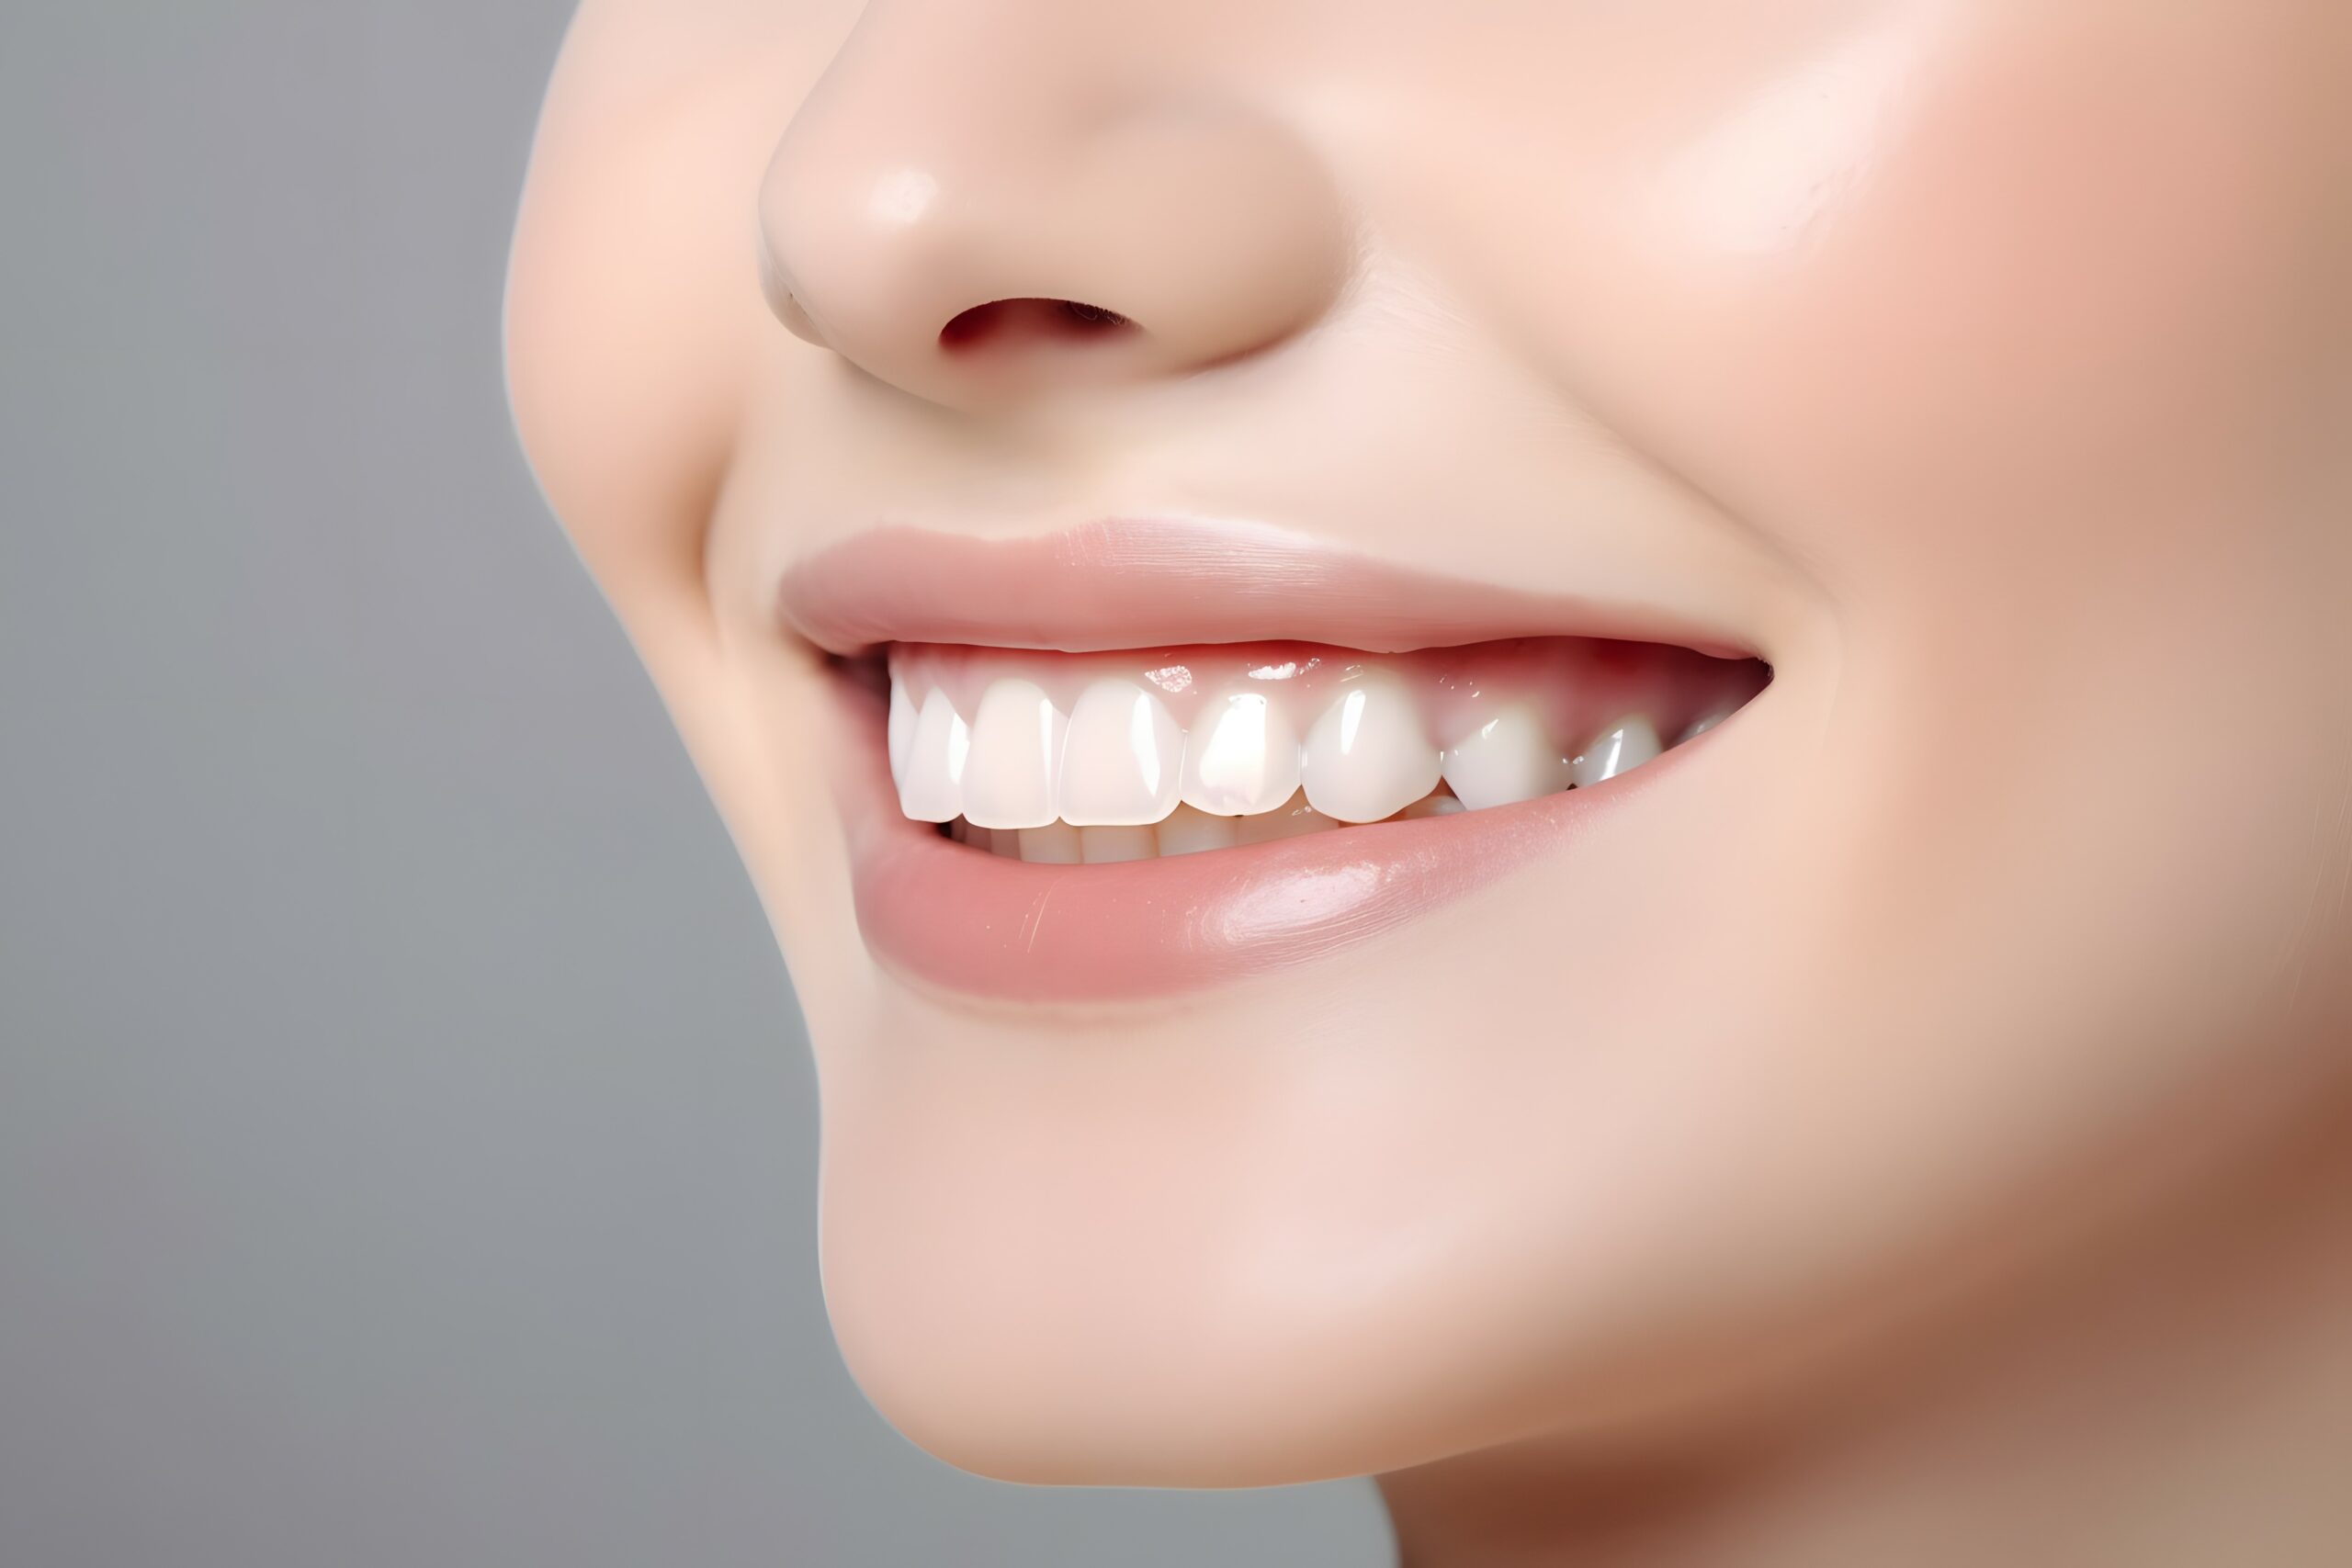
[{"x": 1184, "y": 833}]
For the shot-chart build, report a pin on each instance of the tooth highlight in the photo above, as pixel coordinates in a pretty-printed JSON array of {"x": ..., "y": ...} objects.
[
  {"x": 1016, "y": 753},
  {"x": 1242, "y": 757},
  {"x": 1120, "y": 759},
  {"x": 1509, "y": 758},
  {"x": 1367, "y": 757},
  {"x": 937, "y": 752},
  {"x": 1626, "y": 745}
]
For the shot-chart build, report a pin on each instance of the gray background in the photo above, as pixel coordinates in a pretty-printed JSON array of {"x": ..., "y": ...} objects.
[{"x": 406, "y": 1140}]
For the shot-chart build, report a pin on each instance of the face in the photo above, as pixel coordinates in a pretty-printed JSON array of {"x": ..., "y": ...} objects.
[{"x": 1292, "y": 441}]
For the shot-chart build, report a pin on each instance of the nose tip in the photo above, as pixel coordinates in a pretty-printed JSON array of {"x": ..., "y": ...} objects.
[{"x": 969, "y": 249}]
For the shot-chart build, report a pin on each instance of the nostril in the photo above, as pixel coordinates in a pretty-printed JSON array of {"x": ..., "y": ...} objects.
[{"x": 1012, "y": 322}]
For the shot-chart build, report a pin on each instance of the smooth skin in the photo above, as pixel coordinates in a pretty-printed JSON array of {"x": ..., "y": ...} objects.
[{"x": 1923, "y": 1134}]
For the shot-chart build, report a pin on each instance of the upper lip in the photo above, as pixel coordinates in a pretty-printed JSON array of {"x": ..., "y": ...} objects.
[{"x": 1158, "y": 581}]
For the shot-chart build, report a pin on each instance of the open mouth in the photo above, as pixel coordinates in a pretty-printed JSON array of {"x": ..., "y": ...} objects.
[
  {"x": 1054, "y": 798},
  {"x": 1098, "y": 758}
]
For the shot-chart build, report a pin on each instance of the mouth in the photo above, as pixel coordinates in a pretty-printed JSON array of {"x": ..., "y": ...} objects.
[{"x": 1141, "y": 759}]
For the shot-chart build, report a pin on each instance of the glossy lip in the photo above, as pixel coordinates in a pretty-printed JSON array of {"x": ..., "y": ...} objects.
[
  {"x": 984, "y": 927},
  {"x": 1157, "y": 581}
]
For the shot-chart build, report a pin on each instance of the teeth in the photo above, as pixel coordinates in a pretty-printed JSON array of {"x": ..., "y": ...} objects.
[
  {"x": 1292, "y": 817},
  {"x": 1119, "y": 765},
  {"x": 1243, "y": 756},
  {"x": 1366, "y": 757},
  {"x": 1117, "y": 778},
  {"x": 1700, "y": 726},
  {"x": 1628, "y": 744},
  {"x": 1188, "y": 831},
  {"x": 1016, "y": 751},
  {"x": 1055, "y": 843},
  {"x": 902, "y": 729},
  {"x": 1101, "y": 846},
  {"x": 932, "y": 789},
  {"x": 1509, "y": 758}
]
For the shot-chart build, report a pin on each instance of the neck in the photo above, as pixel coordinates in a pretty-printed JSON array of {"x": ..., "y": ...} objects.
[{"x": 2188, "y": 1404}]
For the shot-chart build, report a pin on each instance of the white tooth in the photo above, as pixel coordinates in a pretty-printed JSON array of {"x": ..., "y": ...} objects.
[
  {"x": 979, "y": 837},
  {"x": 932, "y": 790},
  {"x": 1628, "y": 744},
  {"x": 902, "y": 728},
  {"x": 1016, "y": 751},
  {"x": 1508, "y": 758},
  {"x": 1101, "y": 846},
  {"x": 1056, "y": 843},
  {"x": 1367, "y": 756},
  {"x": 1120, "y": 762},
  {"x": 1700, "y": 726},
  {"x": 1292, "y": 817},
  {"x": 1188, "y": 831},
  {"x": 1241, "y": 757},
  {"x": 1433, "y": 805}
]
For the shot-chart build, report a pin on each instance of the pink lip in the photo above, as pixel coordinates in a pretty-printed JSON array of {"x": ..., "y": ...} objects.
[
  {"x": 1149, "y": 582},
  {"x": 984, "y": 926}
]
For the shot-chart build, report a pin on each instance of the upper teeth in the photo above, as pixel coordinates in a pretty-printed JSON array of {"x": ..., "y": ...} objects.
[
  {"x": 1120, "y": 763},
  {"x": 1241, "y": 757},
  {"x": 1120, "y": 759}
]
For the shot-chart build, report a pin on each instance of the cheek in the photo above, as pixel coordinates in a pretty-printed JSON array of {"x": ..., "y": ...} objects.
[
  {"x": 1968, "y": 296},
  {"x": 2014, "y": 352},
  {"x": 634, "y": 319},
  {"x": 2017, "y": 354}
]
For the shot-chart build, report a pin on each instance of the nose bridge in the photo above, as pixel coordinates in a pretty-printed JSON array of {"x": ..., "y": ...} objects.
[{"x": 960, "y": 156}]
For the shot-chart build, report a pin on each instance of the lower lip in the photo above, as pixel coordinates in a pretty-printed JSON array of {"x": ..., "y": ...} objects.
[{"x": 968, "y": 922}]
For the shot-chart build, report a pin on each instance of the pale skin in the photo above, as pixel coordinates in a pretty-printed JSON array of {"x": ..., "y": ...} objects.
[{"x": 1914, "y": 1129}]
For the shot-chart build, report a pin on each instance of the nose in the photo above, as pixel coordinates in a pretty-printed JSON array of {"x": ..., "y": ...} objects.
[{"x": 974, "y": 209}]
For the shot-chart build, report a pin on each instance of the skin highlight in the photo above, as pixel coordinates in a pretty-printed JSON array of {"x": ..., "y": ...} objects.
[{"x": 1907, "y": 1129}]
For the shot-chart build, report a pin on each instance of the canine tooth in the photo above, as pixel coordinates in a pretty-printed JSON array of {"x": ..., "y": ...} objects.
[
  {"x": 1120, "y": 760},
  {"x": 1367, "y": 757},
  {"x": 1624, "y": 745},
  {"x": 1101, "y": 846},
  {"x": 901, "y": 729},
  {"x": 1016, "y": 751},
  {"x": 1054, "y": 843},
  {"x": 1290, "y": 819},
  {"x": 1241, "y": 757},
  {"x": 1508, "y": 758},
  {"x": 932, "y": 790},
  {"x": 1188, "y": 831}
]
